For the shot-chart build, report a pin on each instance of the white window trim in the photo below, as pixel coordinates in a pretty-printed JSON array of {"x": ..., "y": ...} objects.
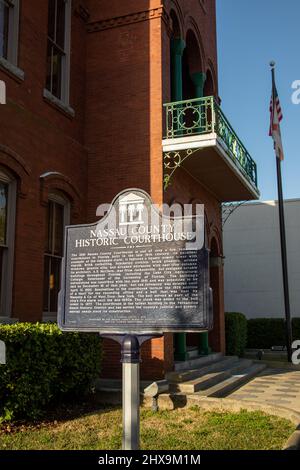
[
  {"x": 11, "y": 63},
  {"x": 67, "y": 65},
  {"x": 63, "y": 201},
  {"x": 47, "y": 95},
  {"x": 64, "y": 101},
  {"x": 12, "y": 69},
  {"x": 8, "y": 260},
  {"x": 59, "y": 199}
]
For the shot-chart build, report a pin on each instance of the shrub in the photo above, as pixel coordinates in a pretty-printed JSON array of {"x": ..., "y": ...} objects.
[
  {"x": 236, "y": 333},
  {"x": 43, "y": 365},
  {"x": 296, "y": 328},
  {"x": 263, "y": 333}
]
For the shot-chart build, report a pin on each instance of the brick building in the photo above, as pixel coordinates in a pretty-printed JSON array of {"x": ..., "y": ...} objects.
[{"x": 103, "y": 95}]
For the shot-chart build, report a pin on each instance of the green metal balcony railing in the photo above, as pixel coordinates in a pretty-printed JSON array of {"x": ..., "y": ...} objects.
[{"x": 204, "y": 116}]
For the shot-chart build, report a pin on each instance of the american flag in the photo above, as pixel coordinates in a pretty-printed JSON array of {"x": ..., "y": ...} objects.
[{"x": 275, "y": 119}]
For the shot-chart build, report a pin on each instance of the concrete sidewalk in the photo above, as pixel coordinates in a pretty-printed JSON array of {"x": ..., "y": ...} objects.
[{"x": 278, "y": 387}]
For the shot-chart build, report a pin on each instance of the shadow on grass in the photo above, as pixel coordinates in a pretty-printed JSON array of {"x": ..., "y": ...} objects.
[{"x": 62, "y": 412}]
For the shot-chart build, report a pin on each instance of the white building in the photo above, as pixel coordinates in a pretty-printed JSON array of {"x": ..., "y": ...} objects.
[{"x": 253, "y": 272}]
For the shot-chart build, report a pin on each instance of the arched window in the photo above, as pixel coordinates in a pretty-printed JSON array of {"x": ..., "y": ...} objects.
[
  {"x": 176, "y": 50},
  {"x": 7, "y": 238},
  {"x": 58, "y": 216}
]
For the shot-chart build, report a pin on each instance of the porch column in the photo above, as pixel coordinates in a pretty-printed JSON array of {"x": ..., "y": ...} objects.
[
  {"x": 198, "y": 79},
  {"x": 204, "y": 349},
  {"x": 177, "y": 48},
  {"x": 180, "y": 347}
]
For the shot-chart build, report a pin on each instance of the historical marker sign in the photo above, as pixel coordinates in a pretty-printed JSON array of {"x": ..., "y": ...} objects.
[{"x": 136, "y": 272}]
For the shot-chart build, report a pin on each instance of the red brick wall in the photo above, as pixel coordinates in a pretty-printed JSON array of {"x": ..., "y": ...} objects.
[
  {"x": 125, "y": 90},
  {"x": 156, "y": 358},
  {"x": 123, "y": 100},
  {"x": 124, "y": 127},
  {"x": 119, "y": 79},
  {"x": 36, "y": 138}
]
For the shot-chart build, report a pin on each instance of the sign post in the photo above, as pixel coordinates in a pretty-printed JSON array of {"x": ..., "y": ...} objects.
[
  {"x": 131, "y": 392},
  {"x": 130, "y": 359},
  {"x": 134, "y": 275},
  {"x": 2, "y": 92},
  {"x": 2, "y": 353}
]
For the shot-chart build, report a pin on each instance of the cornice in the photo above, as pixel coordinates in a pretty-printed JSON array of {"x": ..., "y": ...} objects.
[{"x": 116, "y": 22}]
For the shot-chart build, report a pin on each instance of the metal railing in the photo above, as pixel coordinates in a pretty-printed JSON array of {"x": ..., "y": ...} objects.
[{"x": 204, "y": 116}]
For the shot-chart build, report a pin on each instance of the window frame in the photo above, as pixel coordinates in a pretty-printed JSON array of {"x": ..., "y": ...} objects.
[
  {"x": 9, "y": 247},
  {"x": 13, "y": 34},
  {"x": 66, "y": 62},
  {"x": 65, "y": 203}
]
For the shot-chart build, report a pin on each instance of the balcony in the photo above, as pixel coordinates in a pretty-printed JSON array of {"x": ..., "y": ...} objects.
[{"x": 200, "y": 139}]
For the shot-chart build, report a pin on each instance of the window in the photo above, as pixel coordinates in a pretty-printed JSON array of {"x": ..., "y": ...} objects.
[
  {"x": 3, "y": 224},
  {"x": 4, "y": 16},
  {"x": 57, "y": 219},
  {"x": 7, "y": 230},
  {"x": 9, "y": 30},
  {"x": 58, "y": 49}
]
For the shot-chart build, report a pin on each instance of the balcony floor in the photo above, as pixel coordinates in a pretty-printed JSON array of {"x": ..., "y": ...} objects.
[{"x": 212, "y": 167}]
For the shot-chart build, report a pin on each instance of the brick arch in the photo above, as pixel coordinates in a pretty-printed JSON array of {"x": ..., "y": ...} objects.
[
  {"x": 15, "y": 164},
  {"x": 199, "y": 59},
  {"x": 55, "y": 181},
  {"x": 209, "y": 85},
  {"x": 212, "y": 76},
  {"x": 193, "y": 53},
  {"x": 174, "y": 201},
  {"x": 176, "y": 27},
  {"x": 175, "y": 9},
  {"x": 215, "y": 241},
  {"x": 217, "y": 335}
]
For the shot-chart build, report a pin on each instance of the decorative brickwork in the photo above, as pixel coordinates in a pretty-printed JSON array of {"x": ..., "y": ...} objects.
[{"x": 128, "y": 19}]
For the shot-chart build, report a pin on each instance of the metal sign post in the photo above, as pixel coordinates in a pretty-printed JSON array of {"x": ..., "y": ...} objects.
[
  {"x": 2, "y": 353},
  {"x": 2, "y": 92},
  {"x": 130, "y": 359},
  {"x": 131, "y": 392}
]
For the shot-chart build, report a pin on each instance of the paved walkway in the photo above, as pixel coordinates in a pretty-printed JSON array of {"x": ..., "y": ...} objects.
[{"x": 279, "y": 387}]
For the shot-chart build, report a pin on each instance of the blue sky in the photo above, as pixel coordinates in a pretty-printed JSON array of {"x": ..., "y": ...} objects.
[{"x": 250, "y": 34}]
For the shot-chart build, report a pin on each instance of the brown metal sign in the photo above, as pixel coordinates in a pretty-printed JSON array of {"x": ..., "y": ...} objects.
[{"x": 136, "y": 271}]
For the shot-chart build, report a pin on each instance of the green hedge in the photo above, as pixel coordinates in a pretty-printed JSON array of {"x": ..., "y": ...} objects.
[
  {"x": 43, "y": 365},
  {"x": 236, "y": 333},
  {"x": 263, "y": 333}
]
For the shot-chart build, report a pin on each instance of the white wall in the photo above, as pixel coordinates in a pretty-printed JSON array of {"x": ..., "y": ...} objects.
[{"x": 253, "y": 273}]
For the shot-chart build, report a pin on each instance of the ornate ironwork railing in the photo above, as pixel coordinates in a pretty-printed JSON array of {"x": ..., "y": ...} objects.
[{"x": 204, "y": 116}]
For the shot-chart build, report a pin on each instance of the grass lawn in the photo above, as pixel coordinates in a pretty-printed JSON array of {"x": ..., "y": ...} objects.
[{"x": 182, "y": 429}]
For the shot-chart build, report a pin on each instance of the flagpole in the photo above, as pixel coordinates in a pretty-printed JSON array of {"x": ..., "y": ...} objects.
[{"x": 283, "y": 243}]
